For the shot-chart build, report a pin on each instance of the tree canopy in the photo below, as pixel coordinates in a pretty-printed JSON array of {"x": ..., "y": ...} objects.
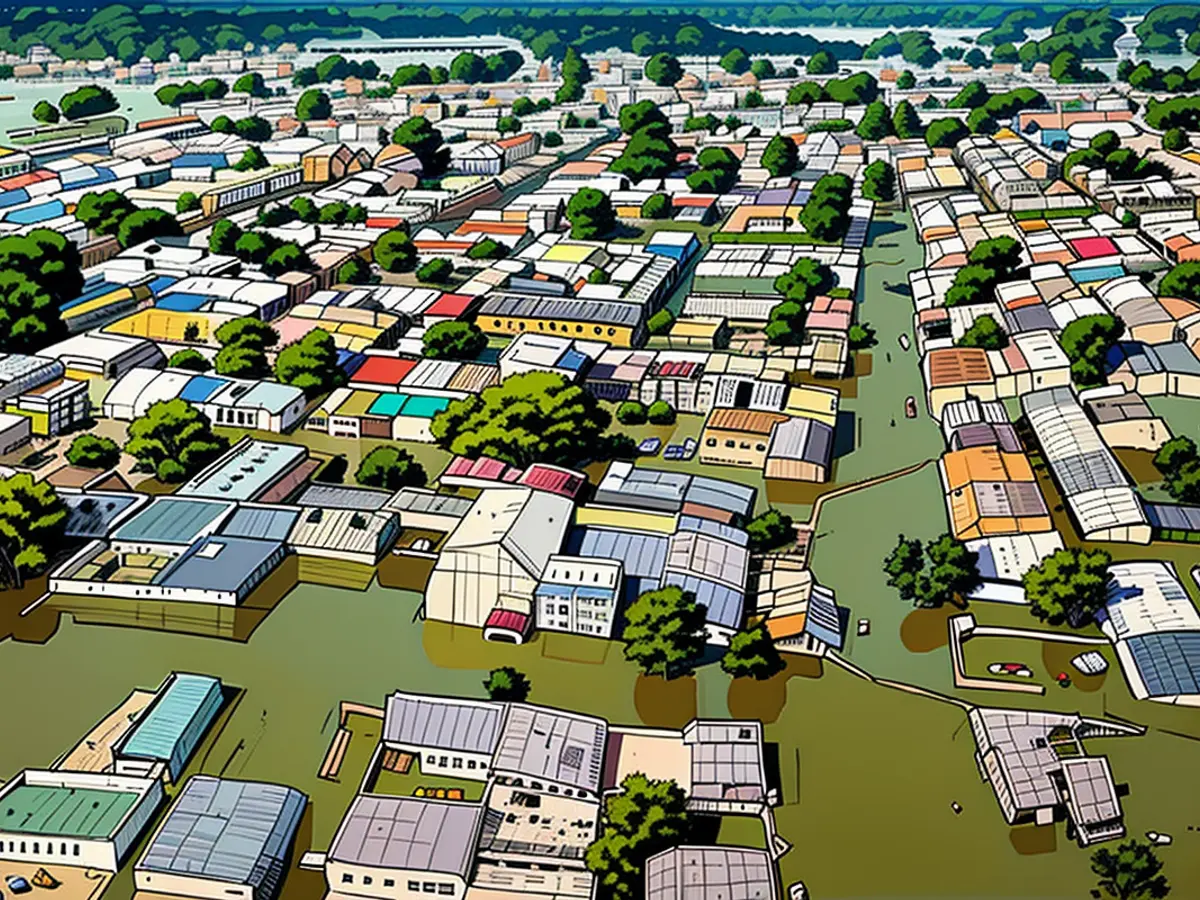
[
  {"x": 507, "y": 685},
  {"x": 391, "y": 468},
  {"x": 453, "y": 340},
  {"x": 529, "y": 417},
  {"x": 664, "y": 631},
  {"x": 1068, "y": 586},
  {"x": 933, "y": 574},
  {"x": 663, "y": 69},
  {"x": 591, "y": 214},
  {"x": 770, "y": 530},
  {"x": 986, "y": 333},
  {"x": 1179, "y": 463},
  {"x": 1132, "y": 872},
  {"x": 33, "y": 520},
  {"x": 173, "y": 440},
  {"x": 93, "y": 452},
  {"x": 395, "y": 251},
  {"x": 780, "y": 157},
  {"x": 752, "y": 654},
  {"x": 1086, "y": 341},
  {"x": 310, "y": 364}
]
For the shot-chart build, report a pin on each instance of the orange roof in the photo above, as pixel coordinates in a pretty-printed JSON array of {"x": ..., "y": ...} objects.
[
  {"x": 984, "y": 464},
  {"x": 472, "y": 227},
  {"x": 582, "y": 167},
  {"x": 515, "y": 141},
  {"x": 950, "y": 366},
  {"x": 749, "y": 421},
  {"x": 167, "y": 120},
  {"x": 20, "y": 181},
  {"x": 1178, "y": 308},
  {"x": 1177, "y": 241}
]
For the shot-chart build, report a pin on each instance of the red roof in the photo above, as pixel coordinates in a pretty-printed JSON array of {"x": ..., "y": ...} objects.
[
  {"x": 1094, "y": 247},
  {"x": 508, "y": 620},
  {"x": 554, "y": 480},
  {"x": 450, "y": 305},
  {"x": 386, "y": 370},
  {"x": 515, "y": 141},
  {"x": 20, "y": 181},
  {"x": 384, "y": 221},
  {"x": 484, "y": 468}
]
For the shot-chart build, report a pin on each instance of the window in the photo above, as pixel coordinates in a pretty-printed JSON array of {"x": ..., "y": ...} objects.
[
  {"x": 457, "y": 762},
  {"x": 428, "y": 887},
  {"x": 446, "y": 890},
  {"x": 75, "y": 852},
  {"x": 711, "y": 442},
  {"x": 731, "y": 444},
  {"x": 496, "y": 323},
  {"x": 443, "y": 762},
  {"x": 367, "y": 879},
  {"x": 745, "y": 445},
  {"x": 760, "y": 447},
  {"x": 470, "y": 763},
  {"x": 553, "y": 326},
  {"x": 611, "y": 332},
  {"x": 389, "y": 882},
  {"x": 37, "y": 847},
  {"x": 347, "y": 878},
  {"x": 598, "y": 329},
  {"x": 414, "y": 885},
  {"x": 578, "y": 329}
]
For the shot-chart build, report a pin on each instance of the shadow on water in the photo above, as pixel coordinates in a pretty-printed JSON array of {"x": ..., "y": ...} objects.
[
  {"x": 925, "y": 630},
  {"x": 900, "y": 288},
  {"x": 665, "y": 704},
  {"x": 882, "y": 229},
  {"x": 1033, "y": 840},
  {"x": 764, "y": 700},
  {"x": 845, "y": 434}
]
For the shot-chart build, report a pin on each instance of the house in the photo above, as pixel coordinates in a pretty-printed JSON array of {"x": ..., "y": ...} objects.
[
  {"x": 53, "y": 408},
  {"x": 800, "y": 449},
  {"x": 579, "y": 596},
  {"x": 738, "y": 437},
  {"x": 493, "y": 561},
  {"x": 222, "y": 838},
  {"x": 990, "y": 492},
  {"x": 1124, "y": 420}
]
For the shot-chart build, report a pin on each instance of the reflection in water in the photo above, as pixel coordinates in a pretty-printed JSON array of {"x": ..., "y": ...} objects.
[
  {"x": 1032, "y": 840},
  {"x": 750, "y": 698},
  {"x": 665, "y": 704},
  {"x": 925, "y": 630}
]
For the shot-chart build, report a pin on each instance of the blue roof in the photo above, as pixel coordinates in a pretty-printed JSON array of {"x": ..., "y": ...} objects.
[
  {"x": 30, "y": 215},
  {"x": 168, "y": 719},
  {"x": 161, "y": 283},
  {"x": 724, "y": 605},
  {"x": 642, "y": 555},
  {"x": 199, "y": 160},
  {"x": 91, "y": 515},
  {"x": 349, "y": 361},
  {"x": 85, "y": 176},
  {"x": 1084, "y": 274},
  {"x": 271, "y": 523},
  {"x": 824, "y": 619},
  {"x": 1169, "y": 662},
  {"x": 220, "y": 563},
  {"x": 182, "y": 301},
  {"x": 573, "y": 360},
  {"x": 200, "y": 388},
  {"x": 171, "y": 520},
  {"x": 13, "y": 198}
]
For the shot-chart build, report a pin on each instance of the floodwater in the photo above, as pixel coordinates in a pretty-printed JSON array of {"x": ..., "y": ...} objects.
[{"x": 137, "y": 101}]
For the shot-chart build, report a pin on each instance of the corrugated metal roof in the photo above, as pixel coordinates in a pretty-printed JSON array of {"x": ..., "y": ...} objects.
[
  {"x": 462, "y": 725},
  {"x": 170, "y": 715},
  {"x": 409, "y": 834}
]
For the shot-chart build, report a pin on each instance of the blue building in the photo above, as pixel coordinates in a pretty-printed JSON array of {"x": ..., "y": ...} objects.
[{"x": 171, "y": 727}]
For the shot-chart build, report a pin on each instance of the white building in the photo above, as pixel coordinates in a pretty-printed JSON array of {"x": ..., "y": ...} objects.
[{"x": 579, "y": 595}]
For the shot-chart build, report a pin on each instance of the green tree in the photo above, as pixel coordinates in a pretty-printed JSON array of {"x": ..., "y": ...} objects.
[
  {"x": 718, "y": 171},
  {"x": 663, "y": 69},
  {"x": 905, "y": 121},
  {"x": 251, "y": 83},
  {"x": 425, "y": 142},
  {"x": 47, "y": 259},
  {"x": 29, "y": 316},
  {"x": 1086, "y": 342},
  {"x": 254, "y": 247},
  {"x": 523, "y": 106},
  {"x": 805, "y": 93},
  {"x": 945, "y": 132},
  {"x": 805, "y": 280},
  {"x": 189, "y": 358},
  {"x": 770, "y": 530},
  {"x": 1133, "y": 872},
  {"x": 1182, "y": 281},
  {"x": 879, "y": 182},
  {"x": 173, "y": 440},
  {"x": 243, "y": 347},
  {"x": 645, "y": 818},
  {"x": 187, "y": 202},
  {"x": 391, "y": 468},
  {"x": 785, "y": 324},
  {"x": 93, "y": 452},
  {"x": 436, "y": 271},
  {"x": 45, "y": 112},
  {"x": 826, "y": 214},
  {"x": 1176, "y": 140},
  {"x": 876, "y": 123},
  {"x": 33, "y": 520},
  {"x": 287, "y": 257},
  {"x": 224, "y": 237},
  {"x": 453, "y": 340},
  {"x": 575, "y": 66},
  {"x": 661, "y": 322},
  {"x": 552, "y": 139},
  {"x": 973, "y": 94},
  {"x": 664, "y": 631},
  {"x": 252, "y": 158},
  {"x": 986, "y": 333},
  {"x": 145, "y": 225},
  {"x": 821, "y": 63},
  {"x": 313, "y": 105},
  {"x": 527, "y": 418},
  {"x": 507, "y": 685},
  {"x": 752, "y": 654},
  {"x": 632, "y": 412},
  {"x": 736, "y": 61},
  {"x": 508, "y": 125},
  {"x": 253, "y": 128},
  {"x": 395, "y": 251},
  {"x": 1179, "y": 464},
  {"x": 656, "y": 206},
  {"x": 487, "y": 249},
  {"x": 103, "y": 212},
  {"x": 310, "y": 364},
  {"x": 906, "y": 81},
  {"x": 952, "y": 572},
  {"x": 222, "y": 125},
  {"x": 904, "y": 567},
  {"x": 1069, "y": 586},
  {"x": 89, "y": 100},
  {"x": 861, "y": 336},
  {"x": 591, "y": 214},
  {"x": 780, "y": 156},
  {"x": 660, "y": 412},
  {"x": 333, "y": 68}
]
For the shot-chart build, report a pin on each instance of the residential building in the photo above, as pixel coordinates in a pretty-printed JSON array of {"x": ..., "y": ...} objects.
[{"x": 579, "y": 596}]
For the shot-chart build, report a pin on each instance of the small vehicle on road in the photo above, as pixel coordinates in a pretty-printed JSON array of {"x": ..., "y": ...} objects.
[
  {"x": 17, "y": 884},
  {"x": 689, "y": 448},
  {"x": 673, "y": 452},
  {"x": 903, "y": 341},
  {"x": 910, "y": 407},
  {"x": 649, "y": 447}
]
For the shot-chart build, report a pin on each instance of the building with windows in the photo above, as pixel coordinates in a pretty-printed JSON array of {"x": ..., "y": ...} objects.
[
  {"x": 579, "y": 596},
  {"x": 168, "y": 730},
  {"x": 223, "y": 838},
  {"x": 75, "y": 818}
]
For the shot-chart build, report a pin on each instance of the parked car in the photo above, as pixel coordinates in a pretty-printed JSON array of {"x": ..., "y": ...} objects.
[
  {"x": 649, "y": 447},
  {"x": 673, "y": 451},
  {"x": 910, "y": 407},
  {"x": 903, "y": 341},
  {"x": 689, "y": 448},
  {"x": 17, "y": 884}
]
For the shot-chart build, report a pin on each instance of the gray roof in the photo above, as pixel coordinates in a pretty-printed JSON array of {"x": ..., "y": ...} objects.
[
  {"x": 720, "y": 494},
  {"x": 1091, "y": 790},
  {"x": 710, "y": 873},
  {"x": 171, "y": 520},
  {"x": 1170, "y": 516},
  {"x": 1168, "y": 662},
  {"x": 1118, "y": 409},
  {"x": 407, "y": 833},
  {"x": 641, "y": 555},
  {"x": 603, "y": 312},
  {"x": 91, "y": 515},
  {"x": 558, "y": 746},
  {"x": 468, "y": 726},
  {"x": 1178, "y": 358},
  {"x": 336, "y": 496},
  {"x": 238, "y": 832},
  {"x": 422, "y": 501},
  {"x": 625, "y": 485},
  {"x": 726, "y": 757},
  {"x": 806, "y": 440},
  {"x": 268, "y": 522}
]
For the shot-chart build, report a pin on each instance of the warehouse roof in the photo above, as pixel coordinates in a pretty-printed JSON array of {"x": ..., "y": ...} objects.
[
  {"x": 683, "y": 873},
  {"x": 64, "y": 811},
  {"x": 558, "y": 746},
  {"x": 172, "y": 520},
  {"x": 271, "y": 523},
  {"x": 336, "y": 496},
  {"x": 170, "y": 714},
  {"x": 468, "y": 726},
  {"x": 219, "y": 563},
  {"x": 230, "y": 831},
  {"x": 246, "y": 472},
  {"x": 409, "y": 834},
  {"x": 604, "y": 312}
]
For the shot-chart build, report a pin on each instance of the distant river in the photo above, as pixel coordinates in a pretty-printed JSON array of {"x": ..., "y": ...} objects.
[{"x": 137, "y": 102}]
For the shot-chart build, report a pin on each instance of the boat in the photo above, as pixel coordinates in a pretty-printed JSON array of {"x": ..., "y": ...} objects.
[{"x": 1018, "y": 669}]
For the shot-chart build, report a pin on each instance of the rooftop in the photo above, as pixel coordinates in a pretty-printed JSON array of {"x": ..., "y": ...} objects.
[
  {"x": 173, "y": 711},
  {"x": 469, "y": 726},
  {"x": 172, "y": 520},
  {"x": 64, "y": 811},
  {"x": 407, "y": 833}
]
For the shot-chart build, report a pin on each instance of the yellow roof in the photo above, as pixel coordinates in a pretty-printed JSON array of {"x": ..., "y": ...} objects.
[
  {"x": 811, "y": 402},
  {"x": 569, "y": 253}
]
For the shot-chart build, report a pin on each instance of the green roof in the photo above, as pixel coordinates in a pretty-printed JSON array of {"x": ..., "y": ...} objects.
[{"x": 63, "y": 811}]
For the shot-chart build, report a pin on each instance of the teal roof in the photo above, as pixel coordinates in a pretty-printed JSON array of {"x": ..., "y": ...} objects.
[
  {"x": 425, "y": 407},
  {"x": 388, "y": 405},
  {"x": 171, "y": 520},
  {"x": 169, "y": 717},
  {"x": 63, "y": 811}
]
